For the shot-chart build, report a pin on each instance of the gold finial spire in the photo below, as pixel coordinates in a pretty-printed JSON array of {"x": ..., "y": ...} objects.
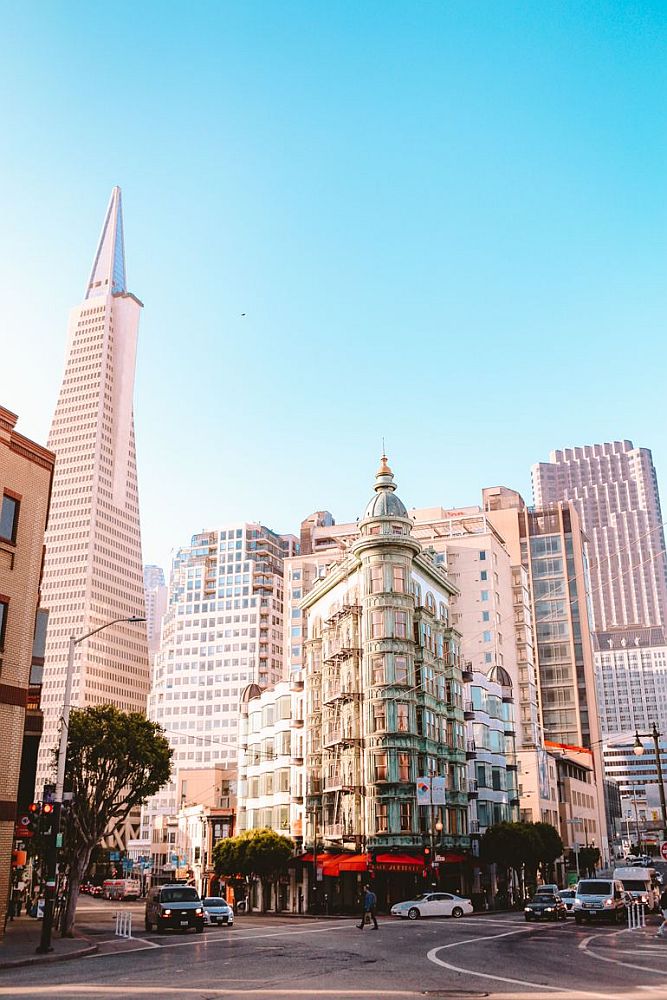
[{"x": 384, "y": 469}]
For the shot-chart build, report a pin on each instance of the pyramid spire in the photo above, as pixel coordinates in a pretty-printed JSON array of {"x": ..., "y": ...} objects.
[{"x": 108, "y": 273}]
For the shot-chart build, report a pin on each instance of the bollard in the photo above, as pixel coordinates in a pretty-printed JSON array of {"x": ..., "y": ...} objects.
[
  {"x": 636, "y": 916},
  {"x": 124, "y": 924}
]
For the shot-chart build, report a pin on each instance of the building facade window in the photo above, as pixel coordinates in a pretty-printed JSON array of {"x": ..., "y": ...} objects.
[
  {"x": 380, "y": 766},
  {"x": 377, "y": 670},
  {"x": 404, "y": 767},
  {"x": 401, "y": 624},
  {"x": 377, "y": 625},
  {"x": 379, "y": 717},
  {"x": 406, "y": 816},
  {"x": 381, "y": 825},
  {"x": 401, "y": 669},
  {"x": 9, "y": 518},
  {"x": 4, "y": 606},
  {"x": 402, "y": 717},
  {"x": 377, "y": 583},
  {"x": 399, "y": 579}
]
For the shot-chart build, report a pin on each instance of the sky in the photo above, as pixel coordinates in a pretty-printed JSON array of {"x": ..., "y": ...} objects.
[{"x": 441, "y": 224}]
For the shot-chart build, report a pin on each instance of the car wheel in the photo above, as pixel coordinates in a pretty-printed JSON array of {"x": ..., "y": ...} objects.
[
  {"x": 457, "y": 912},
  {"x": 413, "y": 913},
  {"x": 200, "y": 928},
  {"x": 528, "y": 919}
]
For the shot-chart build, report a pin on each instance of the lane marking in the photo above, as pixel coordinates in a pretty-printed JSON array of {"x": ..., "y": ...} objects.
[
  {"x": 584, "y": 946},
  {"x": 432, "y": 956}
]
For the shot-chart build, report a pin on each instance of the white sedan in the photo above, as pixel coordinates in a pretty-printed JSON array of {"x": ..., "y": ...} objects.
[{"x": 432, "y": 904}]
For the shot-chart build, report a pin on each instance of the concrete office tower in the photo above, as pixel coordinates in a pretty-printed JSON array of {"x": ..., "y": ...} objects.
[
  {"x": 155, "y": 594},
  {"x": 25, "y": 486},
  {"x": 548, "y": 544},
  {"x": 223, "y": 630},
  {"x": 93, "y": 567},
  {"x": 615, "y": 491}
]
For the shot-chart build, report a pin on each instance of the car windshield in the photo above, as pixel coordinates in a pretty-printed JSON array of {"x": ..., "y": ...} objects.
[
  {"x": 634, "y": 885},
  {"x": 179, "y": 894},
  {"x": 421, "y": 895},
  {"x": 214, "y": 901},
  {"x": 594, "y": 888},
  {"x": 568, "y": 893},
  {"x": 542, "y": 897}
]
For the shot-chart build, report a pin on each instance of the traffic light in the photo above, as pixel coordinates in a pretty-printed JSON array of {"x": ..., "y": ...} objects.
[
  {"x": 46, "y": 826},
  {"x": 34, "y": 811},
  {"x": 427, "y": 862}
]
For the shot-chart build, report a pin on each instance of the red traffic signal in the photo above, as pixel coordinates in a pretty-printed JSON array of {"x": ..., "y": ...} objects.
[
  {"x": 35, "y": 808},
  {"x": 47, "y": 808}
]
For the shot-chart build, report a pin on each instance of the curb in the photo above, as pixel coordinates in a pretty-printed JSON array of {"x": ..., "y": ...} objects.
[{"x": 89, "y": 949}]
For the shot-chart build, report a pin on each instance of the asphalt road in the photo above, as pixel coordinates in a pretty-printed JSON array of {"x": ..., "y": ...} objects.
[{"x": 282, "y": 958}]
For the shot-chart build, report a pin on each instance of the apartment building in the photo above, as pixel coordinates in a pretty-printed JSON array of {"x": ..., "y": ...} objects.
[{"x": 223, "y": 630}]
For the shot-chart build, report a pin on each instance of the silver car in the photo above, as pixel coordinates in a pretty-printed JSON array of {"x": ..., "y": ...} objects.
[{"x": 217, "y": 911}]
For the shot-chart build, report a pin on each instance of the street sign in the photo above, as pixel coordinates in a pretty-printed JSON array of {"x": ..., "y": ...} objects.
[{"x": 663, "y": 850}]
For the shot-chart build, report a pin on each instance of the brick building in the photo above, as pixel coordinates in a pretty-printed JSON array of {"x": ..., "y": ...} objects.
[{"x": 26, "y": 470}]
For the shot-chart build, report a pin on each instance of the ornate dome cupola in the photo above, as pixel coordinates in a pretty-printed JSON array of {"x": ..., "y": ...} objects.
[
  {"x": 385, "y": 503},
  {"x": 385, "y": 513}
]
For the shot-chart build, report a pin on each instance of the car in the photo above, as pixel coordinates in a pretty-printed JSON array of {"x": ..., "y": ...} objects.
[
  {"x": 96, "y": 890},
  {"x": 547, "y": 906},
  {"x": 567, "y": 895},
  {"x": 217, "y": 911},
  {"x": 174, "y": 906},
  {"x": 549, "y": 887},
  {"x": 600, "y": 899},
  {"x": 432, "y": 904}
]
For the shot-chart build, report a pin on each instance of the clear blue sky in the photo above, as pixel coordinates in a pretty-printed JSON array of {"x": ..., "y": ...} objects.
[{"x": 445, "y": 222}]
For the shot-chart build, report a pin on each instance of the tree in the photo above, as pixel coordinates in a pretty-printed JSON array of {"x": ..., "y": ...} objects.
[
  {"x": 521, "y": 847},
  {"x": 550, "y": 848},
  {"x": 588, "y": 859},
  {"x": 260, "y": 854},
  {"x": 115, "y": 760}
]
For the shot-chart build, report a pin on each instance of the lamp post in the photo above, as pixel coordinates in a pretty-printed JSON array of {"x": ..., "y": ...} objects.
[
  {"x": 639, "y": 750},
  {"x": 47, "y": 921}
]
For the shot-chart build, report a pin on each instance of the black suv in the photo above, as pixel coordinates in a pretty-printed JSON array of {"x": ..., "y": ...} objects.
[{"x": 175, "y": 906}]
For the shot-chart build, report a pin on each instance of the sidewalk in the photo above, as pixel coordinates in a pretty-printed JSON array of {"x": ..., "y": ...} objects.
[{"x": 21, "y": 939}]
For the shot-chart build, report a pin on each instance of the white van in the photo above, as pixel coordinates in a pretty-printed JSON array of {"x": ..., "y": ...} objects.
[{"x": 641, "y": 885}]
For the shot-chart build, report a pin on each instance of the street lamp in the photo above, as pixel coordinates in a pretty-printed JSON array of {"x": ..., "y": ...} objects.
[
  {"x": 638, "y": 750},
  {"x": 47, "y": 921}
]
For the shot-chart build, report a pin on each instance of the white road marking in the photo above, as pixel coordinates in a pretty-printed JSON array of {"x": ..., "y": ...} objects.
[
  {"x": 433, "y": 957},
  {"x": 583, "y": 946}
]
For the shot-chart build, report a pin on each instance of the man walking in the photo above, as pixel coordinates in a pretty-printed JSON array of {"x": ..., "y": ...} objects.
[{"x": 369, "y": 902}]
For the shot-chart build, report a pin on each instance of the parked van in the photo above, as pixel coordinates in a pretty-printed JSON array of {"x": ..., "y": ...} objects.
[
  {"x": 121, "y": 888},
  {"x": 641, "y": 884},
  {"x": 600, "y": 899}
]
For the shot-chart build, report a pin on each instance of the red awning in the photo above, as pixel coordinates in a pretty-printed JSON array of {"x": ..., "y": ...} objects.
[
  {"x": 399, "y": 862},
  {"x": 331, "y": 863},
  {"x": 354, "y": 863}
]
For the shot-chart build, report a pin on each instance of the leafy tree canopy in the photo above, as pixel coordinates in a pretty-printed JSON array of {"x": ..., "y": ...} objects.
[
  {"x": 262, "y": 853},
  {"x": 115, "y": 760},
  {"x": 515, "y": 844}
]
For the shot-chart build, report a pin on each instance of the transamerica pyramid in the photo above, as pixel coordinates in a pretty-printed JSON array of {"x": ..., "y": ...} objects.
[{"x": 93, "y": 568}]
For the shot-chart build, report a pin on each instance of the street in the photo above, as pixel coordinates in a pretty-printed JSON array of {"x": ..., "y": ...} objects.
[{"x": 273, "y": 957}]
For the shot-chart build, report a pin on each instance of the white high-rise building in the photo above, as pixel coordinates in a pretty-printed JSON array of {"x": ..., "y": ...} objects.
[
  {"x": 223, "y": 630},
  {"x": 615, "y": 491},
  {"x": 155, "y": 591},
  {"x": 93, "y": 566}
]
